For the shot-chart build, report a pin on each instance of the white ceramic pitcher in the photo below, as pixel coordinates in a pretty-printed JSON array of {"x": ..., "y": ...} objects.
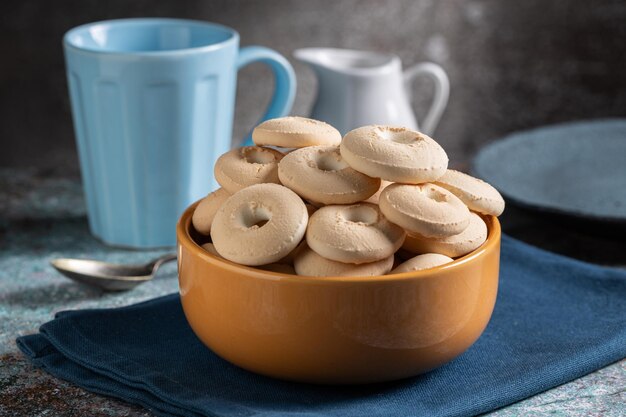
[{"x": 357, "y": 88}]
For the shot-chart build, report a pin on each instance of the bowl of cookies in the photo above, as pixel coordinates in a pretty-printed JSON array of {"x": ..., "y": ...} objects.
[{"x": 339, "y": 260}]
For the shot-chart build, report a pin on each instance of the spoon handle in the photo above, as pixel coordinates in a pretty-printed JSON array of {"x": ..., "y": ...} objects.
[{"x": 155, "y": 264}]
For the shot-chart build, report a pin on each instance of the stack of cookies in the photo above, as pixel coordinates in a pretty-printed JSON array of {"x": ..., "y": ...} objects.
[{"x": 379, "y": 200}]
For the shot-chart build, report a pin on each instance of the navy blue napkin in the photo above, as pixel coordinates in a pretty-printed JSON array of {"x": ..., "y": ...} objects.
[{"x": 556, "y": 319}]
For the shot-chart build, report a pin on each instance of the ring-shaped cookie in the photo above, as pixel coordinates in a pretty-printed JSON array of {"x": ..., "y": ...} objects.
[
  {"x": 424, "y": 209},
  {"x": 453, "y": 246},
  {"x": 475, "y": 193},
  {"x": 419, "y": 262},
  {"x": 295, "y": 132},
  {"x": 394, "y": 154},
  {"x": 318, "y": 173},
  {"x": 355, "y": 234},
  {"x": 311, "y": 264},
  {"x": 259, "y": 225},
  {"x": 249, "y": 165},
  {"x": 205, "y": 211}
]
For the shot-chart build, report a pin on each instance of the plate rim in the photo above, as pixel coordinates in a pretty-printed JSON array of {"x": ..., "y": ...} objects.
[{"x": 513, "y": 136}]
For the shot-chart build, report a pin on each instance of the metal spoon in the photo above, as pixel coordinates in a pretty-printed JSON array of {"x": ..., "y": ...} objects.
[{"x": 109, "y": 277}]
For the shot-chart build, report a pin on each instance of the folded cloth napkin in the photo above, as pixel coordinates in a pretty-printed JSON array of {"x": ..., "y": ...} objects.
[{"x": 556, "y": 319}]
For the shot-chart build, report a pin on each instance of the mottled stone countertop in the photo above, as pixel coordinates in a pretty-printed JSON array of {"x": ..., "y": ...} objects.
[{"x": 42, "y": 217}]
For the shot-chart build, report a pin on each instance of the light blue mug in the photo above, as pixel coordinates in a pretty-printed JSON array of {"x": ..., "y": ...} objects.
[{"x": 153, "y": 103}]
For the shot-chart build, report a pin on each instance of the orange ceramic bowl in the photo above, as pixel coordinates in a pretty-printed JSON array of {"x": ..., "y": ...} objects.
[{"x": 337, "y": 330}]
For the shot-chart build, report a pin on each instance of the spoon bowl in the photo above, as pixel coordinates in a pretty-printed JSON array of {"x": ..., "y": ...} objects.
[{"x": 109, "y": 276}]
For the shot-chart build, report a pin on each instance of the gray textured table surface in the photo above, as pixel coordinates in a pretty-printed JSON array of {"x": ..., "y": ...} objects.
[{"x": 42, "y": 217}]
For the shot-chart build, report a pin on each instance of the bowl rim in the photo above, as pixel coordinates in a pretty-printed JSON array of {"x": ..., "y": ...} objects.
[{"x": 184, "y": 239}]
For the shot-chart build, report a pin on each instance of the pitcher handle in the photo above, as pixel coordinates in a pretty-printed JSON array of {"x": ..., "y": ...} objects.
[
  {"x": 442, "y": 92},
  {"x": 284, "y": 80}
]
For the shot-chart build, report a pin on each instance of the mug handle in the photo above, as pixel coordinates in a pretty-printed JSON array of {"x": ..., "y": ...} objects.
[
  {"x": 284, "y": 77},
  {"x": 442, "y": 92}
]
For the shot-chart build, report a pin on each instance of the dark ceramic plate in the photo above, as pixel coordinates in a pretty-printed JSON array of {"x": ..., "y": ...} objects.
[{"x": 574, "y": 170}]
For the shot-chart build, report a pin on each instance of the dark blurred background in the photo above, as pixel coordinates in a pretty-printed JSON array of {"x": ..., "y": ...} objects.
[{"x": 512, "y": 64}]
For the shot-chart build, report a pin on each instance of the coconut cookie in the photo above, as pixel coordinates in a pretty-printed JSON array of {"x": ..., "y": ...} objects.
[
  {"x": 309, "y": 263},
  {"x": 318, "y": 173},
  {"x": 453, "y": 246},
  {"x": 475, "y": 193},
  {"x": 295, "y": 132},
  {"x": 355, "y": 234},
  {"x": 242, "y": 167},
  {"x": 424, "y": 209},
  {"x": 419, "y": 262},
  {"x": 259, "y": 225},
  {"x": 394, "y": 154},
  {"x": 205, "y": 210}
]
